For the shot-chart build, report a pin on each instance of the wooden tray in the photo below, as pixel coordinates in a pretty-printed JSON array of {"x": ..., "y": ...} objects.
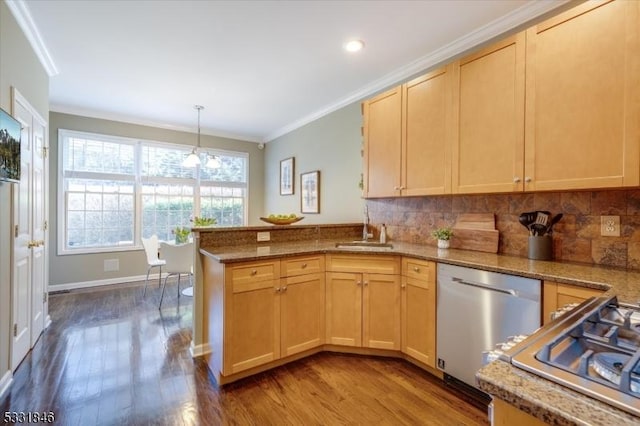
[{"x": 287, "y": 221}]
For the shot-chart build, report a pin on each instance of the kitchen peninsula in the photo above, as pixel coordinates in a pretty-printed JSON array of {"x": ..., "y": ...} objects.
[{"x": 228, "y": 255}]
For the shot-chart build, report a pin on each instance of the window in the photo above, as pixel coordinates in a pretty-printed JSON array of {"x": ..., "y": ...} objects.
[{"x": 114, "y": 190}]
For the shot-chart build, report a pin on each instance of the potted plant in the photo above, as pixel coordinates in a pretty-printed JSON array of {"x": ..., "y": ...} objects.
[
  {"x": 203, "y": 221},
  {"x": 182, "y": 234},
  {"x": 443, "y": 235}
]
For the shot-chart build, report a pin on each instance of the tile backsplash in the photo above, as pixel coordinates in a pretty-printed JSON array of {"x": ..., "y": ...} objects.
[{"x": 575, "y": 238}]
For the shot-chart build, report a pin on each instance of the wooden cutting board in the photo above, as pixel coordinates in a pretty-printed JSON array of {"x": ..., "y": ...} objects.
[{"x": 476, "y": 231}]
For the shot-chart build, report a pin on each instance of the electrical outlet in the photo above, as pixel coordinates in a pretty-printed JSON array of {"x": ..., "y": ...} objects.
[
  {"x": 111, "y": 265},
  {"x": 610, "y": 226},
  {"x": 264, "y": 236}
]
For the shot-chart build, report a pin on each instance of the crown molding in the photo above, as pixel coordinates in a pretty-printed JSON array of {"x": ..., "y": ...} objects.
[
  {"x": 22, "y": 15},
  {"x": 84, "y": 112},
  {"x": 483, "y": 34}
]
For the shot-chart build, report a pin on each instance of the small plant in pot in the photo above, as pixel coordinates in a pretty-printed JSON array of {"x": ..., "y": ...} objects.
[{"x": 443, "y": 235}]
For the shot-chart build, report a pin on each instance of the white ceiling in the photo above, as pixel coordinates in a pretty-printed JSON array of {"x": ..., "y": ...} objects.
[{"x": 260, "y": 68}]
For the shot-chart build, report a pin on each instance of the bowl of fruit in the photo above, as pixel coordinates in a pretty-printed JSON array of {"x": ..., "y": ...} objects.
[{"x": 282, "y": 219}]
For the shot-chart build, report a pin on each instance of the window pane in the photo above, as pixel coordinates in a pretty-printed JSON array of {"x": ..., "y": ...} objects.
[
  {"x": 228, "y": 210},
  {"x": 232, "y": 169},
  {"x": 89, "y": 155},
  {"x": 165, "y": 162},
  {"x": 161, "y": 212},
  {"x": 95, "y": 214}
]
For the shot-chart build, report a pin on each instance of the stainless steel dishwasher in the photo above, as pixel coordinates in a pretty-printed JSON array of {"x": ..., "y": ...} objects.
[{"x": 475, "y": 311}]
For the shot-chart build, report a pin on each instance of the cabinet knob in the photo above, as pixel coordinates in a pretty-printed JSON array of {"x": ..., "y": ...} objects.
[
  {"x": 397, "y": 188},
  {"x": 358, "y": 282},
  {"x": 253, "y": 272},
  {"x": 416, "y": 269},
  {"x": 277, "y": 289},
  {"x": 527, "y": 179},
  {"x": 284, "y": 288},
  {"x": 516, "y": 180},
  {"x": 403, "y": 286},
  {"x": 32, "y": 244},
  {"x": 304, "y": 265},
  {"x": 366, "y": 283}
]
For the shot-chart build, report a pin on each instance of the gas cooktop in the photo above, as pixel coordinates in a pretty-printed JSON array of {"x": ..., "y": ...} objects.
[{"x": 594, "y": 349}]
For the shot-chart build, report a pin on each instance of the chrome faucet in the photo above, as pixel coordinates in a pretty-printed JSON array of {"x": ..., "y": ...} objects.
[{"x": 365, "y": 228}]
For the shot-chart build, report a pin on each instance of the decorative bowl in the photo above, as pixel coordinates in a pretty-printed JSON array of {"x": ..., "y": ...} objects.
[{"x": 282, "y": 221}]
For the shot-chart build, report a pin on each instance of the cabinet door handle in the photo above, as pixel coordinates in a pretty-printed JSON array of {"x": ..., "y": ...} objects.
[
  {"x": 304, "y": 265},
  {"x": 516, "y": 180},
  {"x": 403, "y": 286},
  {"x": 527, "y": 179},
  {"x": 396, "y": 188},
  {"x": 284, "y": 288},
  {"x": 253, "y": 272},
  {"x": 278, "y": 289},
  {"x": 366, "y": 283},
  {"x": 416, "y": 269},
  {"x": 358, "y": 282}
]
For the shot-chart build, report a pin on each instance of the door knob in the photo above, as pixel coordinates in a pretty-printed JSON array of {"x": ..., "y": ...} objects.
[{"x": 32, "y": 244}]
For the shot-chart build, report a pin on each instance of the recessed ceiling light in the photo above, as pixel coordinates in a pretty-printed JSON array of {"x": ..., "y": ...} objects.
[{"x": 354, "y": 45}]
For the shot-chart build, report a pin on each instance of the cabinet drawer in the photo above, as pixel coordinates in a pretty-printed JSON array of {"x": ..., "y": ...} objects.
[
  {"x": 372, "y": 264},
  {"x": 255, "y": 272},
  {"x": 302, "y": 265},
  {"x": 419, "y": 269}
]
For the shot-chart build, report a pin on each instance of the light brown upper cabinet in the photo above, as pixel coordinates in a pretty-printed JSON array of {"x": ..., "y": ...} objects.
[
  {"x": 488, "y": 131},
  {"x": 583, "y": 98},
  {"x": 426, "y": 133},
  {"x": 382, "y": 135},
  {"x": 407, "y": 131}
]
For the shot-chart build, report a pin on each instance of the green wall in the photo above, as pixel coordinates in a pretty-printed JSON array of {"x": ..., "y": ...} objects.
[{"x": 332, "y": 145}]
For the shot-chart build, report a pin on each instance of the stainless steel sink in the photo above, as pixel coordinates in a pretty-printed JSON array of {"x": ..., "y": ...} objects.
[{"x": 365, "y": 245}]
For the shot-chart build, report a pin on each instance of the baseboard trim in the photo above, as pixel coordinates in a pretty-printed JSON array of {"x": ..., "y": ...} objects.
[
  {"x": 5, "y": 382},
  {"x": 99, "y": 283},
  {"x": 199, "y": 350}
]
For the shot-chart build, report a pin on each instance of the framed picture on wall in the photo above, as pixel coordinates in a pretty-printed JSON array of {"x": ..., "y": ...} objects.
[
  {"x": 310, "y": 192},
  {"x": 286, "y": 176}
]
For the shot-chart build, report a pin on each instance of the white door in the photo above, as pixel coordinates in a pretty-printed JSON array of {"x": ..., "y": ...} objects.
[
  {"x": 38, "y": 290},
  {"x": 22, "y": 259},
  {"x": 29, "y": 307}
]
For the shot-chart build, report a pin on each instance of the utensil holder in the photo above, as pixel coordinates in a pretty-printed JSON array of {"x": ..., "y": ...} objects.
[{"x": 541, "y": 247}]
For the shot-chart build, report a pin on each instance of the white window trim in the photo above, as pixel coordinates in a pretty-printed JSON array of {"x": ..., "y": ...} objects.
[{"x": 139, "y": 180}]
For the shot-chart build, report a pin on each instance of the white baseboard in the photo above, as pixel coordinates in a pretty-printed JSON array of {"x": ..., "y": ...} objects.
[
  {"x": 98, "y": 283},
  {"x": 199, "y": 350},
  {"x": 5, "y": 382}
]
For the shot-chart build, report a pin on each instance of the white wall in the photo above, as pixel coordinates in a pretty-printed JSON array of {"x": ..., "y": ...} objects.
[
  {"x": 332, "y": 145},
  {"x": 20, "y": 68},
  {"x": 65, "y": 269}
]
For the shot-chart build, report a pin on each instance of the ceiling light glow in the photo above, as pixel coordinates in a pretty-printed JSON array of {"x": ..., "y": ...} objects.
[{"x": 354, "y": 45}]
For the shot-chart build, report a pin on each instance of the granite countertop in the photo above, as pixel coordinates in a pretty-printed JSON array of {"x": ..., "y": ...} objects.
[
  {"x": 550, "y": 402},
  {"x": 622, "y": 283}
]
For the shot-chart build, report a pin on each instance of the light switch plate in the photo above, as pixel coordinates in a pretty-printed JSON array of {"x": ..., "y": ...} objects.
[
  {"x": 610, "y": 226},
  {"x": 264, "y": 236}
]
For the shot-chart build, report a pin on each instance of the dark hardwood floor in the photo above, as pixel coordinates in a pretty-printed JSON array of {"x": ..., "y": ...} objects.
[{"x": 112, "y": 358}]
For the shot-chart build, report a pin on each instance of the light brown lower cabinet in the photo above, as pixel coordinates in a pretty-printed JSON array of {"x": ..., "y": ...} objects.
[
  {"x": 556, "y": 295},
  {"x": 363, "y": 308},
  {"x": 418, "y": 321},
  {"x": 267, "y": 317},
  {"x": 505, "y": 414}
]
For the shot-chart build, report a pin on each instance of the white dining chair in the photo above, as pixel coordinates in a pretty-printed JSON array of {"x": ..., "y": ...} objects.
[
  {"x": 151, "y": 249},
  {"x": 179, "y": 258}
]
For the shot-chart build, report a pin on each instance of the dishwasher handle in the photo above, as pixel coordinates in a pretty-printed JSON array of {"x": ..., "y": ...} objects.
[{"x": 508, "y": 291}]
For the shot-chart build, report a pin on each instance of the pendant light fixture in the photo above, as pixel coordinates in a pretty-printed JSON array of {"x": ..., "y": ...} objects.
[
  {"x": 193, "y": 159},
  {"x": 213, "y": 161}
]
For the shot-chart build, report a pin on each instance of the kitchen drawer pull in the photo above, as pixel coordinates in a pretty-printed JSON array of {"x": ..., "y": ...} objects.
[
  {"x": 304, "y": 265},
  {"x": 416, "y": 269},
  {"x": 254, "y": 272}
]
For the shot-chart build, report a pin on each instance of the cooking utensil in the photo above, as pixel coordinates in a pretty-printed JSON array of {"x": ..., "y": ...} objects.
[
  {"x": 538, "y": 229},
  {"x": 553, "y": 221},
  {"x": 524, "y": 220},
  {"x": 542, "y": 218}
]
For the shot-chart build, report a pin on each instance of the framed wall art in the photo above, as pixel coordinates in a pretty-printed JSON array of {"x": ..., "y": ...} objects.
[
  {"x": 287, "y": 170},
  {"x": 310, "y": 192}
]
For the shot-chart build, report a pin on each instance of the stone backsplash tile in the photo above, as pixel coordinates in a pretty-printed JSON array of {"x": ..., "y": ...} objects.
[{"x": 576, "y": 237}]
